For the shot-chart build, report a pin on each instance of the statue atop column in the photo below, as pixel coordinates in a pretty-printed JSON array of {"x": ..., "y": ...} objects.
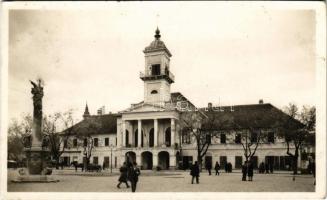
[{"x": 37, "y": 92}]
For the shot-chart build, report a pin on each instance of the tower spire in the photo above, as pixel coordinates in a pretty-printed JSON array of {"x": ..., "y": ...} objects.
[
  {"x": 157, "y": 35},
  {"x": 86, "y": 112}
]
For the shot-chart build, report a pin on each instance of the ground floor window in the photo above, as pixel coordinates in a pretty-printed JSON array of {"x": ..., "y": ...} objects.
[
  {"x": 238, "y": 162},
  {"x": 187, "y": 162},
  {"x": 106, "y": 162},
  {"x": 95, "y": 160},
  {"x": 223, "y": 161}
]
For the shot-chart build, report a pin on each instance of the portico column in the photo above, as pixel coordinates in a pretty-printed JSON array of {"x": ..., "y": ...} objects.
[
  {"x": 139, "y": 132},
  {"x": 155, "y": 132},
  {"x": 172, "y": 162},
  {"x": 138, "y": 159},
  {"x": 154, "y": 160},
  {"x": 172, "y": 129},
  {"x": 124, "y": 132}
]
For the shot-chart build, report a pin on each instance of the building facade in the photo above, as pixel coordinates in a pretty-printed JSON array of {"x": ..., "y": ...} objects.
[{"x": 149, "y": 132}]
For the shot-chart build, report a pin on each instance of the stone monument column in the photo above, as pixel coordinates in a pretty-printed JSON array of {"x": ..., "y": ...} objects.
[{"x": 36, "y": 155}]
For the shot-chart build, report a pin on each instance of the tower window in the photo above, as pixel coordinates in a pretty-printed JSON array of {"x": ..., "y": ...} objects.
[
  {"x": 155, "y": 69},
  {"x": 154, "y": 92}
]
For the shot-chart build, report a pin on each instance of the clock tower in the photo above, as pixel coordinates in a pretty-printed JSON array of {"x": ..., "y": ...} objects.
[{"x": 157, "y": 76}]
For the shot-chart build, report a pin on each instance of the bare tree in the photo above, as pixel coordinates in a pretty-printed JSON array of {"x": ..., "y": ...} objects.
[
  {"x": 296, "y": 134},
  {"x": 19, "y": 137},
  {"x": 83, "y": 131},
  {"x": 58, "y": 141},
  {"x": 202, "y": 126}
]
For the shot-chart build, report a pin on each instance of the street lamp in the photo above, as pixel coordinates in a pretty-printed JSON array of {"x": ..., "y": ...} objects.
[{"x": 111, "y": 146}]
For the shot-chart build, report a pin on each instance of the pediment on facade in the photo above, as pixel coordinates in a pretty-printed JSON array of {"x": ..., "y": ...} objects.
[{"x": 145, "y": 107}]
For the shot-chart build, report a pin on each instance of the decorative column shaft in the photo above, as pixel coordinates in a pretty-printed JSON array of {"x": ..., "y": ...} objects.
[
  {"x": 139, "y": 132},
  {"x": 173, "y": 130},
  {"x": 155, "y": 132},
  {"x": 124, "y": 133}
]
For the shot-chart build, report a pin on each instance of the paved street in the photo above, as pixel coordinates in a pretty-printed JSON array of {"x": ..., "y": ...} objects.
[{"x": 168, "y": 181}]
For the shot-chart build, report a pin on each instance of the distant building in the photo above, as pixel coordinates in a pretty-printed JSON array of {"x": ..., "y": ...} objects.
[{"x": 149, "y": 133}]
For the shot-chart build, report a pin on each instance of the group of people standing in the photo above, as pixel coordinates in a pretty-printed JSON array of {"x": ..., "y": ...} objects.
[
  {"x": 265, "y": 167},
  {"x": 129, "y": 172},
  {"x": 247, "y": 169},
  {"x": 208, "y": 167}
]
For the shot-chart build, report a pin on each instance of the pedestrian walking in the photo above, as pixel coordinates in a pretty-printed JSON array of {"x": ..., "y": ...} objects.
[
  {"x": 195, "y": 172},
  {"x": 217, "y": 168},
  {"x": 267, "y": 168},
  {"x": 244, "y": 171},
  {"x": 123, "y": 175},
  {"x": 209, "y": 167},
  {"x": 133, "y": 175},
  {"x": 250, "y": 171}
]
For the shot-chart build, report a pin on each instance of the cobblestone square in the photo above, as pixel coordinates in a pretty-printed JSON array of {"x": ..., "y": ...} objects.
[{"x": 177, "y": 181}]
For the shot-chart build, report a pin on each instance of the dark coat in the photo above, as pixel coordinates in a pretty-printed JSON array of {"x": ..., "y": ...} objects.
[
  {"x": 217, "y": 166},
  {"x": 250, "y": 169},
  {"x": 244, "y": 169},
  {"x": 123, "y": 174},
  {"x": 195, "y": 171},
  {"x": 133, "y": 174},
  {"x": 208, "y": 165}
]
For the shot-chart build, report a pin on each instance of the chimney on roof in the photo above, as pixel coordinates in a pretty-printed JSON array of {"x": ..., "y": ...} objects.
[
  {"x": 261, "y": 101},
  {"x": 101, "y": 111},
  {"x": 209, "y": 106}
]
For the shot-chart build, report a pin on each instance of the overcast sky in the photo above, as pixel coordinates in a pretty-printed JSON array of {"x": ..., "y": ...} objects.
[{"x": 220, "y": 54}]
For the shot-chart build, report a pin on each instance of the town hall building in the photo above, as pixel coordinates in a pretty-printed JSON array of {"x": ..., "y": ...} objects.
[{"x": 149, "y": 131}]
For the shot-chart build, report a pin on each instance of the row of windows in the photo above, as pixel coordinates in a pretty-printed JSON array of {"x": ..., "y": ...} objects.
[
  {"x": 95, "y": 142},
  {"x": 186, "y": 138}
]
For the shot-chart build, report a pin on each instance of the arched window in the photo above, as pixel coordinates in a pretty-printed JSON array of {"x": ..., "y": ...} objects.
[
  {"x": 154, "y": 92},
  {"x": 127, "y": 139},
  {"x": 168, "y": 137}
]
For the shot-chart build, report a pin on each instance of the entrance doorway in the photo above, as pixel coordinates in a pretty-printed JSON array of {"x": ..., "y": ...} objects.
[
  {"x": 146, "y": 160},
  {"x": 130, "y": 156},
  {"x": 163, "y": 160}
]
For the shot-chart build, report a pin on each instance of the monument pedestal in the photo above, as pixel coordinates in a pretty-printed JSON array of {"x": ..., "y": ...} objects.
[
  {"x": 37, "y": 163},
  {"x": 35, "y": 179}
]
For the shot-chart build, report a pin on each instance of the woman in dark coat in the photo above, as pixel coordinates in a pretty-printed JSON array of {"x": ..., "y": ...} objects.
[
  {"x": 195, "y": 172},
  {"x": 250, "y": 171},
  {"x": 217, "y": 168},
  {"x": 123, "y": 175}
]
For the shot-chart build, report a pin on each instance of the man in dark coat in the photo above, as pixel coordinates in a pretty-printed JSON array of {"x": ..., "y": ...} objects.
[
  {"x": 209, "y": 167},
  {"x": 250, "y": 171},
  {"x": 133, "y": 175},
  {"x": 244, "y": 171},
  {"x": 217, "y": 168},
  {"x": 195, "y": 172},
  {"x": 123, "y": 175}
]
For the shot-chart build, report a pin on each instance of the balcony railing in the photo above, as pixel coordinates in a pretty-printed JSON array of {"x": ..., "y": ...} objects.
[{"x": 167, "y": 75}]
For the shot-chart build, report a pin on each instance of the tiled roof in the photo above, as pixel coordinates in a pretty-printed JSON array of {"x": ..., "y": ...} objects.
[
  {"x": 248, "y": 116},
  {"x": 96, "y": 124}
]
